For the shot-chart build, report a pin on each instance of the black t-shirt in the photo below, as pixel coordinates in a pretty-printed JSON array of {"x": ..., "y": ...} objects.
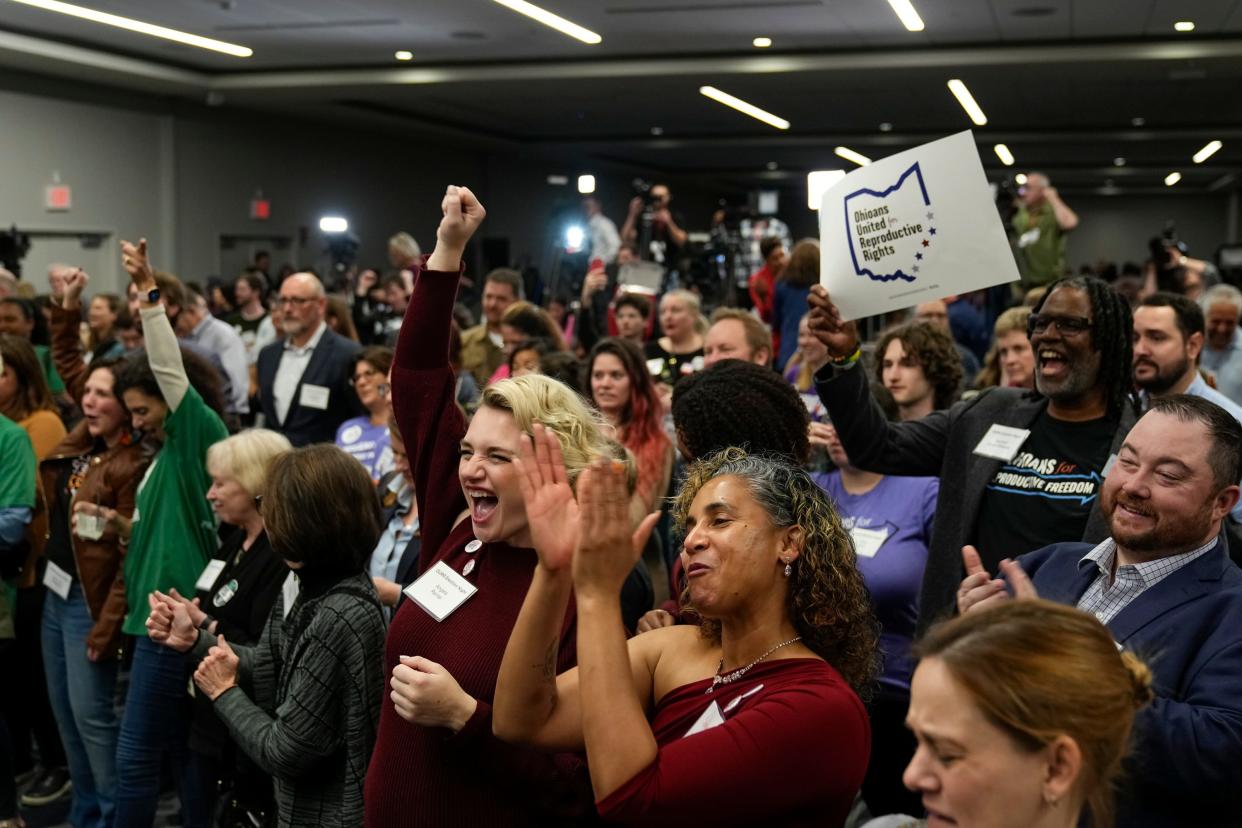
[
  {"x": 59, "y": 548},
  {"x": 671, "y": 367},
  {"x": 1045, "y": 494}
]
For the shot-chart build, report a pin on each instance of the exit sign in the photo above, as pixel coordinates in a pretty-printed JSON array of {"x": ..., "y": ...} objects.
[
  {"x": 58, "y": 197},
  {"x": 261, "y": 209}
]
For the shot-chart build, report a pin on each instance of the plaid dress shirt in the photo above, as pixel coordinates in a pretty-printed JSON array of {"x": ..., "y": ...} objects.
[{"x": 1108, "y": 595}]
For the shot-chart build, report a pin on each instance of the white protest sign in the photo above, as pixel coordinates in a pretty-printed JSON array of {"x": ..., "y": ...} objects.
[{"x": 910, "y": 228}]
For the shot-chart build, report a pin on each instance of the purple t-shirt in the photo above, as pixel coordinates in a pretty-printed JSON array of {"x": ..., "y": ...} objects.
[
  {"x": 891, "y": 526},
  {"x": 369, "y": 444}
]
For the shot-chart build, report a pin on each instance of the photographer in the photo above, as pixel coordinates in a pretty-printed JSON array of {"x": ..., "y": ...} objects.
[{"x": 653, "y": 227}]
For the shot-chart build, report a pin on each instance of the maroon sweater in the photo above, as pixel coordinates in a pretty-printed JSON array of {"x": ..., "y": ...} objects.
[{"x": 431, "y": 776}]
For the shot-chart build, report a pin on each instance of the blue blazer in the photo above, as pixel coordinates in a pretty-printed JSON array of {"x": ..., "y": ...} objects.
[
  {"x": 330, "y": 365},
  {"x": 1185, "y": 767}
]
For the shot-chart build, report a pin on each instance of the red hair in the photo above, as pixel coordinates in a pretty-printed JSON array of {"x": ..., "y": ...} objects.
[{"x": 640, "y": 428}]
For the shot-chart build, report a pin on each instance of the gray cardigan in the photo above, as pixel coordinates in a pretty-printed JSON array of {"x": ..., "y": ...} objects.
[
  {"x": 941, "y": 445},
  {"x": 320, "y": 671}
]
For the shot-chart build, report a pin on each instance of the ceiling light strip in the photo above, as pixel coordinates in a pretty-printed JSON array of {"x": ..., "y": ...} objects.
[
  {"x": 849, "y": 155},
  {"x": 1209, "y": 149},
  {"x": 140, "y": 27},
  {"x": 743, "y": 107},
  {"x": 1172, "y": 178},
  {"x": 907, "y": 15},
  {"x": 968, "y": 103},
  {"x": 1003, "y": 153},
  {"x": 554, "y": 21}
]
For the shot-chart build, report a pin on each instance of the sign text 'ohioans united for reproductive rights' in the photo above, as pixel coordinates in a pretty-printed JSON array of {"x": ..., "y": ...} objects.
[{"x": 916, "y": 226}]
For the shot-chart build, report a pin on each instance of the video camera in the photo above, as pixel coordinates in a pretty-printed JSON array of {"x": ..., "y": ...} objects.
[
  {"x": 13, "y": 248},
  {"x": 1165, "y": 251}
]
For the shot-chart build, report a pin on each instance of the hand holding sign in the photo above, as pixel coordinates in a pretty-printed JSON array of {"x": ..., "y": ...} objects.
[{"x": 915, "y": 226}]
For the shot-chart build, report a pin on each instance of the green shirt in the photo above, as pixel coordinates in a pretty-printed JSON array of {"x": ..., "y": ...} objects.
[
  {"x": 1041, "y": 245},
  {"x": 17, "y": 466},
  {"x": 54, "y": 383},
  {"x": 174, "y": 531}
]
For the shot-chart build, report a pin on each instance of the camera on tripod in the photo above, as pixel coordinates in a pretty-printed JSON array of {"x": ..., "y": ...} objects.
[
  {"x": 13, "y": 248},
  {"x": 642, "y": 189}
]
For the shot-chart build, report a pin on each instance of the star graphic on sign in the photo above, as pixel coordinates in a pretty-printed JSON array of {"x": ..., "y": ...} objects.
[
  {"x": 926, "y": 242},
  {"x": 918, "y": 255},
  {"x": 931, "y": 216},
  {"x": 932, "y": 230}
]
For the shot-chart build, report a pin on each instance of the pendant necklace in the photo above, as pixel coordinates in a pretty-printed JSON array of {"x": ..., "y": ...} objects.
[{"x": 718, "y": 679}]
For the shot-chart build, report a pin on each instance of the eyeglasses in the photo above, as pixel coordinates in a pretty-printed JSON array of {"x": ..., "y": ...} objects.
[
  {"x": 296, "y": 301},
  {"x": 362, "y": 375},
  {"x": 1067, "y": 325}
]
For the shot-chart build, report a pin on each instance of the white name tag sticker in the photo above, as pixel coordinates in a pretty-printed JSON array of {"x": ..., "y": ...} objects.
[
  {"x": 655, "y": 366},
  {"x": 712, "y": 717},
  {"x": 867, "y": 542},
  {"x": 440, "y": 591},
  {"x": 1002, "y": 442},
  {"x": 289, "y": 591},
  {"x": 314, "y": 396},
  {"x": 210, "y": 573},
  {"x": 57, "y": 580}
]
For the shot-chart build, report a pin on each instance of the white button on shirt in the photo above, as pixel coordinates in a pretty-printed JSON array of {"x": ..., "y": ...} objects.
[{"x": 293, "y": 362}]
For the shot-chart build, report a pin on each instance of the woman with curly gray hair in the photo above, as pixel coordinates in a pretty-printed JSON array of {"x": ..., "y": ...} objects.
[{"x": 752, "y": 716}]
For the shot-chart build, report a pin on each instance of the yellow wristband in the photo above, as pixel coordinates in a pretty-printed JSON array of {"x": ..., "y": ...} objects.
[{"x": 846, "y": 362}]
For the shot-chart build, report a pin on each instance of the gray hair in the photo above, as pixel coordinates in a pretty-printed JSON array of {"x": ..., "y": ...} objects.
[
  {"x": 771, "y": 480},
  {"x": 1221, "y": 293},
  {"x": 406, "y": 244}
]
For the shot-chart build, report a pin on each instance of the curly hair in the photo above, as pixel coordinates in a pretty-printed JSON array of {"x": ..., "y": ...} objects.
[
  {"x": 1112, "y": 335},
  {"x": 640, "y": 425},
  {"x": 826, "y": 599},
  {"x": 135, "y": 372},
  {"x": 934, "y": 352},
  {"x": 764, "y": 414}
]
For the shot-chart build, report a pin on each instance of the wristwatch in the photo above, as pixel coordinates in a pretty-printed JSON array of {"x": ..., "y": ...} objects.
[{"x": 153, "y": 295}]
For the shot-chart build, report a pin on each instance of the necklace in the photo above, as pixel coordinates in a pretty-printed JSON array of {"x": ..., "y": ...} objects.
[{"x": 718, "y": 679}]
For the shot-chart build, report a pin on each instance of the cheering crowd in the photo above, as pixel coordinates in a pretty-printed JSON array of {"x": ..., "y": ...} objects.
[{"x": 312, "y": 559}]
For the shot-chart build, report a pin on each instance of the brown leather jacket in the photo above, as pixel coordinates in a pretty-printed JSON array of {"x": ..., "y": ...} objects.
[{"x": 111, "y": 481}]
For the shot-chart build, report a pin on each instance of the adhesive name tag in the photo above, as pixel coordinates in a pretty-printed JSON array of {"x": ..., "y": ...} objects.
[
  {"x": 57, "y": 580},
  {"x": 289, "y": 591},
  {"x": 655, "y": 366},
  {"x": 712, "y": 717},
  {"x": 210, "y": 573},
  {"x": 867, "y": 542},
  {"x": 314, "y": 396},
  {"x": 440, "y": 591},
  {"x": 1002, "y": 442}
]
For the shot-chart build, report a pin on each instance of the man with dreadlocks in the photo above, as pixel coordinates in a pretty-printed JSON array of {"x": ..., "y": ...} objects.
[{"x": 1018, "y": 469}]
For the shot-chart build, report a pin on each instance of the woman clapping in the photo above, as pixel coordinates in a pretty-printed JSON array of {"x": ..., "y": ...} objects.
[{"x": 753, "y": 716}]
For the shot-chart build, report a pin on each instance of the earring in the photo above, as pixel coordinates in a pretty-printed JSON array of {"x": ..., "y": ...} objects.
[
  {"x": 788, "y": 569},
  {"x": 1050, "y": 800}
]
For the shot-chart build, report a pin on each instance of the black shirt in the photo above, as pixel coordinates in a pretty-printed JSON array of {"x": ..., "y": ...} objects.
[
  {"x": 59, "y": 548},
  {"x": 1046, "y": 493},
  {"x": 672, "y": 367}
]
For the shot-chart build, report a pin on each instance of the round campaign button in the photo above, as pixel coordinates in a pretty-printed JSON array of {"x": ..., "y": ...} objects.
[
  {"x": 469, "y": 567},
  {"x": 474, "y": 546}
]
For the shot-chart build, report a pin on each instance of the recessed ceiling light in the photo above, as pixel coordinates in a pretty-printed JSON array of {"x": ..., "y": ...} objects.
[
  {"x": 1184, "y": 26},
  {"x": 1019, "y": 179},
  {"x": 1003, "y": 153},
  {"x": 772, "y": 165},
  {"x": 886, "y": 127},
  {"x": 402, "y": 54},
  {"x": 140, "y": 27},
  {"x": 744, "y": 107},
  {"x": 1172, "y": 178},
  {"x": 1119, "y": 161},
  {"x": 657, "y": 130},
  {"x": 586, "y": 184},
  {"x": 819, "y": 182},
  {"x": 1138, "y": 122},
  {"x": 554, "y": 21},
  {"x": 558, "y": 180},
  {"x": 761, "y": 42},
  {"x": 1209, "y": 149},
  {"x": 968, "y": 103},
  {"x": 849, "y": 155},
  {"x": 908, "y": 16}
]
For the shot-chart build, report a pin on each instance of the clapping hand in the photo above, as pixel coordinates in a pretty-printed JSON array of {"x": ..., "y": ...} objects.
[
  {"x": 173, "y": 621},
  {"x": 218, "y": 671},
  {"x": 607, "y": 547},
  {"x": 838, "y": 336},
  {"x": 979, "y": 589},
  {"x": 551, "y": 511}
]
